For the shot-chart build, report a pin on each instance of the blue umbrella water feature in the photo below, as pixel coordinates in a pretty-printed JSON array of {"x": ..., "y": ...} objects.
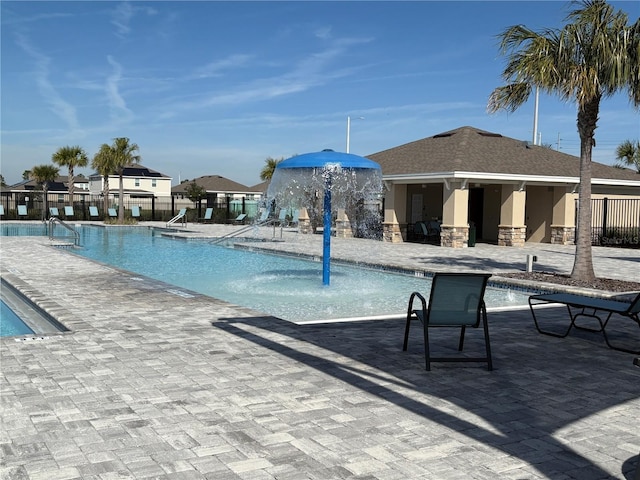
[{"x": 343, "y": 179}]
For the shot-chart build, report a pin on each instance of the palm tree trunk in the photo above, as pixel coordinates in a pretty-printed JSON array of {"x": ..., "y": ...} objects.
[
  {"x": 71, "y": 184},
  {"x": 583, "y": 262},
  {"x": 120, "y": 198},
  {"x": 105, "y": 192}
]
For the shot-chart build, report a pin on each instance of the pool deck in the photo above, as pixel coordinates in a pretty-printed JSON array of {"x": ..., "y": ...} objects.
[{"x": 157, "y": 382}]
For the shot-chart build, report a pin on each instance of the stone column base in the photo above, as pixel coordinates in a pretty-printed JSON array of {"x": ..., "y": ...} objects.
[
  {"x": 561, "y": 235},
  {"x": 304, "y": 225},
  {"x": 391, "y": 233},
  {"x": 454, "y": 237},
  {"x": 511, "y": 236},
  {"x": 343, "y": 229}
]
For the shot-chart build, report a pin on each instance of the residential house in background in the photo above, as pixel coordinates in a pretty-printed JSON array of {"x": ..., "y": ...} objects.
[
  {"x": 223, "y": 193},
  {"x": 138, "y": 182}
]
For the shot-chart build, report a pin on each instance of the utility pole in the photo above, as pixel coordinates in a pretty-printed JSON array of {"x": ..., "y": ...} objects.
[
  {"x": 558, "y": 142},
  {"x": 535, "y": 118}
]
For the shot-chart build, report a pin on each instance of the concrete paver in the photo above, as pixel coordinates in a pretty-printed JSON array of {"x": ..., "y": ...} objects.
[{"x": 149, "y": 384}]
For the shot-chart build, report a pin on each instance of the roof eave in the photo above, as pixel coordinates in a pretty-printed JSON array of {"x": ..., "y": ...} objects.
[{"x": 502, "y": 178}]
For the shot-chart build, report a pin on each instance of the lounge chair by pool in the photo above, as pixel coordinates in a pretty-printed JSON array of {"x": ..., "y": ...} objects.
[{"x": 600, "y": 309}]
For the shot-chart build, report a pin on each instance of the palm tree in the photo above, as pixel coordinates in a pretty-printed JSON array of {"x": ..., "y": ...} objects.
[
  {"x": 124, "y": 155},
  {"x": 70, "y": 157},
  {"x": 118, "y": 156},
  {"x": 103, "y": 163},
  {"x": 592, "y": 57},
  {"x": 270, "y": 166},
  {"x": 43, "y": 174},
  {"x": 629, "y": 153}
]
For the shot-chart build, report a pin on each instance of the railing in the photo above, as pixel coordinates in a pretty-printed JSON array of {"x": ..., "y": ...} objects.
[
  {"x": 615, "y": 222},
  {"x": 244, "y": 229},
  {"x": 51, "y": 230},
  {"x": 182, "y": 215}
]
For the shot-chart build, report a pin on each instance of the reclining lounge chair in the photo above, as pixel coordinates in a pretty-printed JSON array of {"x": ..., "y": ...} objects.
[{"x": 583, "y": 306}]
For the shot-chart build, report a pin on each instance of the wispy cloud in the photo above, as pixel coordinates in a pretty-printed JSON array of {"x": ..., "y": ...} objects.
[
  {"x": 58, "y": 105},
  {"x": 312, "y": 71},
  {"x": 117, "y": 104},
  {"x": 217, "y": 67},
  {"x": 124, "y": 13}
]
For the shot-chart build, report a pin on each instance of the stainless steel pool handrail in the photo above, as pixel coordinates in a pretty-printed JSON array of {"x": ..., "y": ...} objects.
[
  {"x": 242, "y": 230},
  {"x": 51, "y": 229},
  {"x": 182, "y": 215}
]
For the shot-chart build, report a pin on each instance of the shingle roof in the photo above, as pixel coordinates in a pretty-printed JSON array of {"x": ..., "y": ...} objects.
[
  {"x": 213, "y": 183},
  {"x": 468, "y": 149}
]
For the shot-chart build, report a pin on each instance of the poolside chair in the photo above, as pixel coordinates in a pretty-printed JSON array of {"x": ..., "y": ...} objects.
[
  {"x": 208, "y": 214},
  {"x": 282, "y": 217},
  {"x": 135, "y": 211},
  {"x": 600, "y": 309},
  {"x": 54, "y": 212},
  {"x": 113, "y": 213},
  {"x": 240, "y": 219},
  {"x": 22, "y": 211},
  {"x": 93, "y": 212},
  {"x": 457, "y": 301},
  {"x": 68, "y": 212}
]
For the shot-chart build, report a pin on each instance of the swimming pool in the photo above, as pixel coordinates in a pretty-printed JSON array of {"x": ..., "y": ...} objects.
[
  {"x": 283, "y": 286},
  {"x": 10, "y": 323},
  {"x": 20, "y": 316},
  {"x": 31, "y": 229}
]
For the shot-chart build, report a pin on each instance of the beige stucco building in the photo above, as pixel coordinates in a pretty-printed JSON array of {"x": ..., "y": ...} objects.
[
  {"x": 138, "y": 182},
  {"x": 503, "y": 190}
]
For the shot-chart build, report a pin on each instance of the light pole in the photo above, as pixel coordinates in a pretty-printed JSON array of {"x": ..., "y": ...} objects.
[{"x": 349, "y": 130}]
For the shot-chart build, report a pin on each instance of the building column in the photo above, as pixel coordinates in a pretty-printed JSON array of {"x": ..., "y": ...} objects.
[
  {"x": 343, "y": 225},
  {"x": 304, "y": 222},
  {"x": 563, "y": 223},
  {"x": 512, "y": 231},
  {"x": 454, "y": 231},
  {"x": 395, "y": 210}
]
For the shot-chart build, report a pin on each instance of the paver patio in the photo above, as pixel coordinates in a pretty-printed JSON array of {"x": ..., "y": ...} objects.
[{"x": 150, "y": 384}]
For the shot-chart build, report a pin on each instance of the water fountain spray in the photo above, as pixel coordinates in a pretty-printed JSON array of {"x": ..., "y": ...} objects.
[{"x": 337, "y": 176}]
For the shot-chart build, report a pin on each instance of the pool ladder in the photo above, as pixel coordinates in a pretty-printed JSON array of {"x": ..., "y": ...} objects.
[{"x": 51, "y": 230}]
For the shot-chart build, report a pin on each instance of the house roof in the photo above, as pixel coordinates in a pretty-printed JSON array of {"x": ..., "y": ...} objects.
[
  {"x": 58, "y": 185},
  {"x": 478, "y": 154},
  {"x": 214, "y": 184},
  {"x": 136, "y": 170}
]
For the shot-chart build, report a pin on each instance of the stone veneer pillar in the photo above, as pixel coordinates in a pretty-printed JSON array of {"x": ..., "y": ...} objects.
[
  {"x": 455, "y": 237},
  {"x": 343, "y": 225},
  {"x": 512, "y": 230},
  {"x": 391, "y": 232},
  {"x": 509, "y": 236},
  {"x": 563, "y": 231},
  {"x": 454, "y": 231},
  {"x": 304, "y": 222},
  {"x": 561, "y": 235},
  {"x": 395, "y": 212}
]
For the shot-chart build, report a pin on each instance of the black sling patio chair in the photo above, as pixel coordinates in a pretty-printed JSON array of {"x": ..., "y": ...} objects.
[{"x": 457, "y": 301}]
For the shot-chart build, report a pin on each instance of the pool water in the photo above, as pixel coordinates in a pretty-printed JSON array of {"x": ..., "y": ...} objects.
[
  {"x": 283, "y": 286},
  {"x": 10, "y": 324},
  {"x": 36, "y": 229}
]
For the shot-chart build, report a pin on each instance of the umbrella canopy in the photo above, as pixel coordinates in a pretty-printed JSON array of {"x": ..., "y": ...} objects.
[{"x": 328, "y": 158}]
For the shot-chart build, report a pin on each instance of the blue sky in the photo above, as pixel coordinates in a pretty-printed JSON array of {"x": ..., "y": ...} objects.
[{"x": 214, "y": 88}]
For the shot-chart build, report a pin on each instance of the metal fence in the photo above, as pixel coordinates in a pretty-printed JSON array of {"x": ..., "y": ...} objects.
[
  {"x": 151, "y": 208},
  {"x": 615, "y": 222}
]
